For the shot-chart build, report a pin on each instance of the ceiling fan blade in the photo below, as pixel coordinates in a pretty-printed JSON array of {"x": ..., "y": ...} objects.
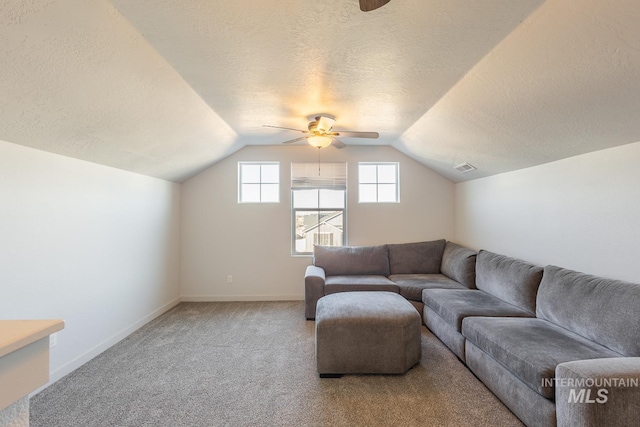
[
  {"x": 337, "y": 143},
  {"x": 295, "y": 140},
  {"x": 280, "y": 127},
  {"x": 369, "y": 5},
  {"x": 350, "y": 134}
]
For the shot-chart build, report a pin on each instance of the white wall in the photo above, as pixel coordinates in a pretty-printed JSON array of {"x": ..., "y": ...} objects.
[
  {"x": 93, "y": 245},
  {"x": 581, "y": 213},
  {"x": 252, "y": 241}
]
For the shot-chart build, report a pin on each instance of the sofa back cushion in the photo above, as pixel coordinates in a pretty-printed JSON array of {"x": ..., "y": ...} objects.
[
  {"x": 602, "y": 310},
  {"x": 459, "y": 264},
  {"x": 416, "y": 258},
  {"x": 352, "y": 260},
  {"x": 512, "y": 280}
]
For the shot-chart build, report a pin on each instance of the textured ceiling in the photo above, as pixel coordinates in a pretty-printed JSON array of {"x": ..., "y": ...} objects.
[
  {"x": 167, "y": 87},
  {"x": 565, "y": 82}
]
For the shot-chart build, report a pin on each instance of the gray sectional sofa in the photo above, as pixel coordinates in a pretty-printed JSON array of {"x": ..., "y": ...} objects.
[
  {"x": 406, "y": 269},
  {"x": 506, "y": 287},
  {"x": 558, "y": 347}
]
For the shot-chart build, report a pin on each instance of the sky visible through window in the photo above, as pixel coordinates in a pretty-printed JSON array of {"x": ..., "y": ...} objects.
[
  {"x": 378, "y": 183},
  {"x": 259, "y": 182}
]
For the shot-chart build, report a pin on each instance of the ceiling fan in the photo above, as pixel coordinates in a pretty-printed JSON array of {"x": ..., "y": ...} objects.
[
  {"x": 368, "y": 5},
  {"x": 320, "y": 133}
]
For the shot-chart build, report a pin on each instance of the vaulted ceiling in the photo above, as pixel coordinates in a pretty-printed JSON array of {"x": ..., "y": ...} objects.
[{"x": 167, "y": 88}]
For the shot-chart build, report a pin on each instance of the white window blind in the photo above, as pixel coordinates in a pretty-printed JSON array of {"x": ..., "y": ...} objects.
[{"x": 319, "y": 176}]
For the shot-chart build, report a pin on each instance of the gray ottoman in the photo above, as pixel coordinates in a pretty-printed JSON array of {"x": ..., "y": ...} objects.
[{"x": 366, "y": 333}]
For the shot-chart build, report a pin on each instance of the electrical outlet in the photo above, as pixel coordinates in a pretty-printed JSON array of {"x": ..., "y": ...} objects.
[
  {"x": 53, "y": 340},
  {"x": 229, "y": 279}
]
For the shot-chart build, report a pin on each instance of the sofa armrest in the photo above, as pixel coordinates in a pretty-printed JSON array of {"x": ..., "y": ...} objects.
[
  {"x": 598, "y": 392},
  {"x": 313, "y": 289}
]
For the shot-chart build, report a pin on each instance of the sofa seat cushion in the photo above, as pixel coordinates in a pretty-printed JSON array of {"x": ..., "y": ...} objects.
[
  {"x": 454, "y": 305},
  {"x": 530, "y": 348},
  {"x": 334, "y": 284},
  {"x": 412, "y": 285}
]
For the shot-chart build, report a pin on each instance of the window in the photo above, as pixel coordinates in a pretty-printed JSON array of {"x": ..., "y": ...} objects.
[
  {"x": 258, "y": 182},
  {"x": 318, "y": 200},
  {"x": 378, "y": 183}
]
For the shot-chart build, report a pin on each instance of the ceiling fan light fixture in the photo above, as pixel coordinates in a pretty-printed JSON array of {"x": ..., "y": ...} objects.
[
  {"x": 319, "y": 141},
  {"x": 320, "y": 133}
]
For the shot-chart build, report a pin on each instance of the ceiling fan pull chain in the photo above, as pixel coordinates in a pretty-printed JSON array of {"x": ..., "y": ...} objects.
[{"x": 318, "y": 161}]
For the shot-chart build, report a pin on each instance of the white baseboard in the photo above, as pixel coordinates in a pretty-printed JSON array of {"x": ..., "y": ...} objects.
[
  {"x": 104, "y": 345},
  {"x": 230, "y": 298}
]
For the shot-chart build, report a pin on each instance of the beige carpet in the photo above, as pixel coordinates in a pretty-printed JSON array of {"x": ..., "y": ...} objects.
[{"x": 252, "y": 364}]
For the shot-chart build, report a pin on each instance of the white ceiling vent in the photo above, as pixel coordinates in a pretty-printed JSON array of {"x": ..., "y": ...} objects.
[{"x": 464, "y": 167}]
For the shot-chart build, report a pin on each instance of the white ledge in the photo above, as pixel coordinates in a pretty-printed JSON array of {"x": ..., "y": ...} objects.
[
  {"x": 24, "y": 357},
  {"x": 15, "y": 334}
]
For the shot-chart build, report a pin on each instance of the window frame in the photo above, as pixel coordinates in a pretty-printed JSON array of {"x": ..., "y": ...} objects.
[
  {"x": 377, "y": 183},
  {"x": 260, "y": 183}
]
